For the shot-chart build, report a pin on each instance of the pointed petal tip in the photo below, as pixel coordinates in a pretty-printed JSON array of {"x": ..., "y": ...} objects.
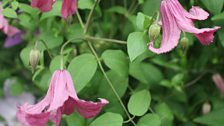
[
  {"x": 207, "y": 36},
  {"x": 161, "y": 50}
]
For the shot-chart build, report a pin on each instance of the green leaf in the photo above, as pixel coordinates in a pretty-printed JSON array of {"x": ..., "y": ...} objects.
[
  {"x": 55, "y": 63},
  {"x": 116, "y": 60},
  {"x": 151, "y": 7},
  {"x": 214, "y": 6},
  {"x": 108, "y": 119},
  {"x": 146, "y": 73},
  {"x": 56, "y": 11},
  {"x": 118, "y": 9},
  {"x": 214, "y": 118},
  {"x": 24, "y": 55},
  {"x": 85, "y": 4},
  {"x": 75, "y": 31},
  {"x": 9, "y": 12},
  {"x": 149, "y": 120},
  {"x": 139, "y": 103},
  {"x": 75, "y": 120},
  {"x": 15, "y": 5},
  {"x": 28, "y": 9},
  {"x": 218, "y": 17},
  {"x": 137, "y": 44},
  {"x": 51, "y": 39},
  {"x": 120, "y": 84},
  {"x": 165, "y": 114},
  {"x": 142, "y": 21},
  {"x": 82, "y": 69}
]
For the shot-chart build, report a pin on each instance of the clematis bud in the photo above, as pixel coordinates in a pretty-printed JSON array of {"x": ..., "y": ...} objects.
[
  {"x": 206, "y": 108},
  {"x": 34, "y": 58},
  {"x": 184, "y": 42},
  {"x": 154, "y": 31}
]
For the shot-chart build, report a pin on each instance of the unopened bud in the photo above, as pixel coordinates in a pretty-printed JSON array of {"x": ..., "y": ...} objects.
[
  {"x": 154, "y": 31},
  {"x": 34, "y": 58},
  {"x": 184, "y": 42},
  {"x": 206, "y": 108}
]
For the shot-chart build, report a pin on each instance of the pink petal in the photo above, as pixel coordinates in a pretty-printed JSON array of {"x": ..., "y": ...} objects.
[
  {"x": 31, "y": 119},
  {"x": 60, "y": 99},
  {"x": 89, "y": 109},
  {"x": 219, "y": 82},
  {"x": 43, "y": 5},
  {"x": 197, "y": 13},
  {"x": 12, "y": 31},
  {"x": 171, "y": 33},
  {"x": 69, "y": 7},
  {"x": 205, "y": 35}
]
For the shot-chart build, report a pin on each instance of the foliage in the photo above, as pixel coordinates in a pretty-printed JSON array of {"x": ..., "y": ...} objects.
[{"x": 112, "y": 56}]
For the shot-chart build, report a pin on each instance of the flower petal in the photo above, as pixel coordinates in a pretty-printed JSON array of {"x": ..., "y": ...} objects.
[
  {"x": 205, "y": 35},
  {"x": 219, "y": 82},
  {"x": 13, "y": 40},
  {"x": 43, "y": 5},
  {"x": 69, "y": 7},
  {"x": 197, "y": 13},
  {"x": 89, "y": 109},
  {"x": 171, "y": 33}
]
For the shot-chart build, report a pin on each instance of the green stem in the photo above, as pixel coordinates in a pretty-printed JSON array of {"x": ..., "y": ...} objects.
[
  {"x": 45, "y": 45},
  {"x": 109, "y": 82},
  {"x": 62, "y": 52},
  {"x": 80, "y": 19},
  {"x": 90, "y": 16},
  {"x": 105, "y": 39}
]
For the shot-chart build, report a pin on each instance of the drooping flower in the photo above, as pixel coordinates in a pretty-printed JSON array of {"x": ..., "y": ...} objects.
[
  {"x": 43, "y": 5},
  {"x": 60, "y": 99},
  {"x": 68, "y": 6},
  {"x": 14, "y": 35},
  {"x": 219, "y": 82},
  {"x": 176, "y": 19}
]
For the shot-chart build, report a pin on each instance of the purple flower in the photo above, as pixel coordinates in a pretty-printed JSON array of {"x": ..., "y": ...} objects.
[{"x": 14, "y": 35}]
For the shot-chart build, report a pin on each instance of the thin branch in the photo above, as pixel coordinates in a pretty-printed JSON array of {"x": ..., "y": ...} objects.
[
  {"x": 80, "y": 19},
  {"x": 109, "y": 82},
  {"x": 90, "y": 16},
  {"x": 106, "y": 40}
]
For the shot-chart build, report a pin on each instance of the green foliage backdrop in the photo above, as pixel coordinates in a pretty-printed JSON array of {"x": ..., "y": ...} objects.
[{"x": 156, "y": 90}]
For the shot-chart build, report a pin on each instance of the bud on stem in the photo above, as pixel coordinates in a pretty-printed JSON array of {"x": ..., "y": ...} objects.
[
  {"x": 154, "y": 31},
  {"x": 184, "y": 42},
  {"x": 34, "y": 58}
]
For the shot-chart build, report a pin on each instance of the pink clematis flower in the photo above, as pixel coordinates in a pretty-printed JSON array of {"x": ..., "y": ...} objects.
[
  {"x": 176, "y": 19},
  {"x": 61, "y": 99},
  {"x": 13, "y": 33},
  {"x": 69, "y": 7},
  {"x": 219, "y": 82},
  {"x": 43, "y": 5}
]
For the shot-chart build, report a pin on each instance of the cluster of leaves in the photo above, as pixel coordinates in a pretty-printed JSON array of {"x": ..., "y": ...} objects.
[{"x": 157, "y": 90}]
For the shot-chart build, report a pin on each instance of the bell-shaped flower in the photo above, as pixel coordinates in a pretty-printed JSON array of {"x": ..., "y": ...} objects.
[
  {"x": 14, "y": 35},
  {"x": 176, "y": 19},
  {"x": 219, "y": 82},
  {"x": 68, "y": 6},
  {"x": 43, "y": 5},
  {"x": 61, "y": 98}
]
